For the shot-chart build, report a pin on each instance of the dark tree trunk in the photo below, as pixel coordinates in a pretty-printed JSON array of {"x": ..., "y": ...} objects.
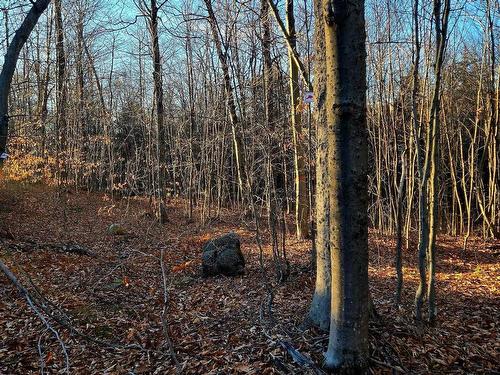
[
  {"x": 9, "y": 67},
  {"x": 347, "y": 171}
]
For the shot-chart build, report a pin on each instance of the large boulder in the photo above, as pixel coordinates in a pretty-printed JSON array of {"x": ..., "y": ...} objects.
[{"x": 223, "y": 255}]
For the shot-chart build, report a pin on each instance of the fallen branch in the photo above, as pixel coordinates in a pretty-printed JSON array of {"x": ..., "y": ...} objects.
[
  {"x": 30, "y": 245},
  {"x": 59, "y": 316},
  {"x": 388, "y": 365},
  {"x": 164, "y": 315},
  {"x": 299, "y": 358},
  {"x": 24, "y": 293}
]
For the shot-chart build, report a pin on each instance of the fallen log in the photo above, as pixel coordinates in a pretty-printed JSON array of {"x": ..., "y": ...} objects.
[{"x": 31, "y": 245}]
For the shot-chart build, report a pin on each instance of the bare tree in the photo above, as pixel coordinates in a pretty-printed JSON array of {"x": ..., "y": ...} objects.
[
  {"x": 428, "y": 183},
  {"x": 9, "y": 66}
]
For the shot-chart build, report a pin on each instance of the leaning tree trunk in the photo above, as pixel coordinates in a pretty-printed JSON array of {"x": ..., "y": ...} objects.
[
  {"x": 9, "y": 67},
  {"x": 230, "y": 99},
  {"x": 347, "y": 169}
]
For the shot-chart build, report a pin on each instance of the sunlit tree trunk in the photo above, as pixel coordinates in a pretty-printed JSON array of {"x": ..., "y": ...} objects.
[
  {"x": 430, "y": 173},
  {"x": 345, "y": 50},
  {"x": 399, "y": 232},
  {"x": 422, "y": 197},
  {"x": 319, "y": 311},
  {"x": 43, "y": 92},
  {"x": 301, "y": 190}
]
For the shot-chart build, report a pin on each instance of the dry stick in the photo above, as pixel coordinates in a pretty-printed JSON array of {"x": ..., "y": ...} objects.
[
  {"x": 40, "y": 354},
  {"x": 71, "y": 248},
  {"x": 49, "y": 308},
  {"x": 388, "y": 365},
  {"x": 26, "y": 295},
  {"x": 106, "y": 275},
  {"x": 164, "y": 313},
  {"x": 294, "y": 353},
  {"x": 64, "y": 320}
]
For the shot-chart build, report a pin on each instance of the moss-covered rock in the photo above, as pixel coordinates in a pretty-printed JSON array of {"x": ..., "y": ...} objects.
[{"x": 116, "y": 230}]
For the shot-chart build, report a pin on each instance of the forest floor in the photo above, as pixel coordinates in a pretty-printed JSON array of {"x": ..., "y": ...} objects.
[{"x": 113, "y": 298}]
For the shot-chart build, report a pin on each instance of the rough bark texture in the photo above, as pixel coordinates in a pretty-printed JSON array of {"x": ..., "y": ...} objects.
[
  {"x": 348, "y": 191},
  {"x": 9, "y": 66},
  {"x": 319, "y": 312}
]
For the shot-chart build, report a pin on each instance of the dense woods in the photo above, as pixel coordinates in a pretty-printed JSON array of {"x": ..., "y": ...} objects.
[
  {"x": 111, "y": 99},
  {"x": 201, "y": 108}
]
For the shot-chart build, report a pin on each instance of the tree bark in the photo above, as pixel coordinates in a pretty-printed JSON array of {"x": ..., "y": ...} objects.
[
  {"x": 9, "y": 67},
  {"x": 158, "y": 97},
  {"x": 61, "y": 93},
  {"x": 399, "y": 232},
  {"x": 428, "y": 186},
  {"x": 319, "y": 311},
  {"x": 344, "y": 26},
  {"x": 301, "y": 191}
]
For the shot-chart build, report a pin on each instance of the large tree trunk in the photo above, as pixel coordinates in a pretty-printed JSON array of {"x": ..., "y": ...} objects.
[
  {"x": 319, "y": 311},
  {"x": 344, "y": 25},
  {"x": 9, "y": 67}
]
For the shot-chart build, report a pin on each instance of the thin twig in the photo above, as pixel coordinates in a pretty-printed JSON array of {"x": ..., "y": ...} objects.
[
  {"x": 40, "y": 353},
  {"x": 24, "y": 292},
  {"x": 164, "y": 314}
]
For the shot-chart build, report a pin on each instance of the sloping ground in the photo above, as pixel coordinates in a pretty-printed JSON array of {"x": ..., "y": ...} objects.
[{"x": 116, "y": 296}]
